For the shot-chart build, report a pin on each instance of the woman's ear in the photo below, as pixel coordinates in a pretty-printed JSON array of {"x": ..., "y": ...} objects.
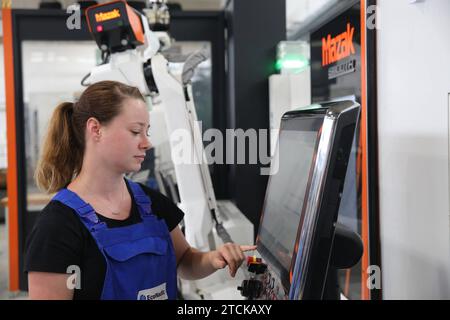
[{"x": 93, "y": 127}]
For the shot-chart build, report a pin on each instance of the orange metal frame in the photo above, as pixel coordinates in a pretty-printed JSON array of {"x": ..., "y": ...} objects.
[
  {"x": 13, "y": 212},
  {"x": 365, "y": 294}
]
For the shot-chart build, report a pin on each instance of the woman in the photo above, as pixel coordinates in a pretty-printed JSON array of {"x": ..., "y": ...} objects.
[{"x": 121, "y": 238}]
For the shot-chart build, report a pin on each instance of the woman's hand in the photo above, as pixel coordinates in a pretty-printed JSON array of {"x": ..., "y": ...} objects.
[{"x": 229, "y": 254}]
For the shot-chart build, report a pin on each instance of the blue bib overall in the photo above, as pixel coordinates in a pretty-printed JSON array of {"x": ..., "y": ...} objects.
[{"x": 140, "y": 258}]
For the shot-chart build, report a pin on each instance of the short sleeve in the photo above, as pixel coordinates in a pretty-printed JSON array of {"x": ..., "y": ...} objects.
[
  {"x": 55, "y": 242},
  {"x": 164, "y": 208}
]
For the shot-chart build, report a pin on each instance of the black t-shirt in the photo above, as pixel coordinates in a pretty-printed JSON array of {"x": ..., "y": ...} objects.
[{"x": 59, "y": 239}]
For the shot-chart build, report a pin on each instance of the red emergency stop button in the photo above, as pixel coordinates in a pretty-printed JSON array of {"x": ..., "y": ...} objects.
[{"x": 253, "y": 259}]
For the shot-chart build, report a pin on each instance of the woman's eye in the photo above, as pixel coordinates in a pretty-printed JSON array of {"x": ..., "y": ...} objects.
[{"x": 135, "y": 132}]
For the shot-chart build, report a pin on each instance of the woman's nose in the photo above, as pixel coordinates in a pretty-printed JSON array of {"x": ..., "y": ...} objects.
[{"x": 146, "y": 144}]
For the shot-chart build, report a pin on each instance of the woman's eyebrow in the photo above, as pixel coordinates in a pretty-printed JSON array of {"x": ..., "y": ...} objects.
[{"x": 141, "y": 124}]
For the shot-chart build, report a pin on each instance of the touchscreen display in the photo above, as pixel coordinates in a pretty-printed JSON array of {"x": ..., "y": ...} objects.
[{"x": 285, "y": 195}]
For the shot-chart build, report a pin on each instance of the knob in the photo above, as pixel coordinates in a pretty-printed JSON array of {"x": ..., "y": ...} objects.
[{"x": 250, "y": 289}]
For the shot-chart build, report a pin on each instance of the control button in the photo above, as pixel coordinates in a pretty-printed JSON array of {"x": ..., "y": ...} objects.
[
  {"x": 255, "y": 265},
  {"x": 253, "y": 260}
]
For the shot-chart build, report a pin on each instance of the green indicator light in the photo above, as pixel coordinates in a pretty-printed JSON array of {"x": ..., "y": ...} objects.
[
  {"x": 292, "y": 64},
  {"x": 278, "y": 65}
]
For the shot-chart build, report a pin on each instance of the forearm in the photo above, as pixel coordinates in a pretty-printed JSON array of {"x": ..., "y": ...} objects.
[
  {"x": 195, "y": 265},
  {"x": 48, "y": 286}
]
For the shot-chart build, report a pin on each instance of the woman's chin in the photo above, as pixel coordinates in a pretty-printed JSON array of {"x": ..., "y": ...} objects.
[{"x": 132, "y": 168}]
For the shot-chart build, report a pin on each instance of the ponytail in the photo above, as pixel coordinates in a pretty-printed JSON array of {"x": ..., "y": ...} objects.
[{"x": 62, "y": 153}]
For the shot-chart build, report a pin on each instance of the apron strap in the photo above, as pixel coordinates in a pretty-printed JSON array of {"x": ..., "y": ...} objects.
[
  {"x": 83, "y": 209},
  {"x": 142, "y": 199}
]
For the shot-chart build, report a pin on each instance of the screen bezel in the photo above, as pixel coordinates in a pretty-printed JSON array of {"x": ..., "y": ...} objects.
[{"x": 291, "y": 122}]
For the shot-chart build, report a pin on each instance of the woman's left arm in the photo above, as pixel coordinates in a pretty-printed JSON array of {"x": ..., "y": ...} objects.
[{"x": 194, "y": 264}]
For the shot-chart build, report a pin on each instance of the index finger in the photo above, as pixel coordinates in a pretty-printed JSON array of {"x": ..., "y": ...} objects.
[{"x": 247, "y": 248}]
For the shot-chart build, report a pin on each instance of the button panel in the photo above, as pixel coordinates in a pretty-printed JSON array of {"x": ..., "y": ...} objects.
[{"x": 264, "y": 284}]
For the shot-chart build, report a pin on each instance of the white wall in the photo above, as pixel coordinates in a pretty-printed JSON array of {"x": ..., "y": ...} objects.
[
  {"x": 298, "y": 11},
  {"x": 413, "y": 123}
]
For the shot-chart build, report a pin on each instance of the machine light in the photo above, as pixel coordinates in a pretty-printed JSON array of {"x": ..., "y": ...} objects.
[{"x": 292, "y": 64}]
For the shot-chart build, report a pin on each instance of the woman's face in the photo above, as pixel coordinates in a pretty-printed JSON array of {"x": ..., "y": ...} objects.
[{"x": 124, "y": 140}]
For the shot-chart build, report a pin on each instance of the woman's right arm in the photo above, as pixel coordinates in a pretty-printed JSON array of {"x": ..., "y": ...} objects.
[
  {"x": 54, "y": 244},
  {"x": 49, "y": 286}
]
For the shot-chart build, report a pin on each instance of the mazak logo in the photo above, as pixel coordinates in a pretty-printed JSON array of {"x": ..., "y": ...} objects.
[
  {"x": 156, "y": 293},
  {"x": 339, "y": 47},
  {"x": 103, "y": 16}
]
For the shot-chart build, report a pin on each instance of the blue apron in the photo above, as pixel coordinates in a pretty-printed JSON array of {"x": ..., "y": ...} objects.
[{"x": 140, "y": 258}]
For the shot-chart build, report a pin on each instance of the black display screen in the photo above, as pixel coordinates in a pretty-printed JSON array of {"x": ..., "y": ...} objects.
[{"x": 286, "y": 192}]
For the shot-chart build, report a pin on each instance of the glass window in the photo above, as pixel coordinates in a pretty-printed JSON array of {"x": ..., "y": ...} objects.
[{"x": 52, "y": 73}]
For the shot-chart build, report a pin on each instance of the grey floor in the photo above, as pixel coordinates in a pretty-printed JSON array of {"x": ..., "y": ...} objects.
[{"x": 5, "y": 294}]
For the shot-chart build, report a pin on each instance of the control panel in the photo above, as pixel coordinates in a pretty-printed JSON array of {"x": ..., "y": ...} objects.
[{"x": 263, "y": 283}]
